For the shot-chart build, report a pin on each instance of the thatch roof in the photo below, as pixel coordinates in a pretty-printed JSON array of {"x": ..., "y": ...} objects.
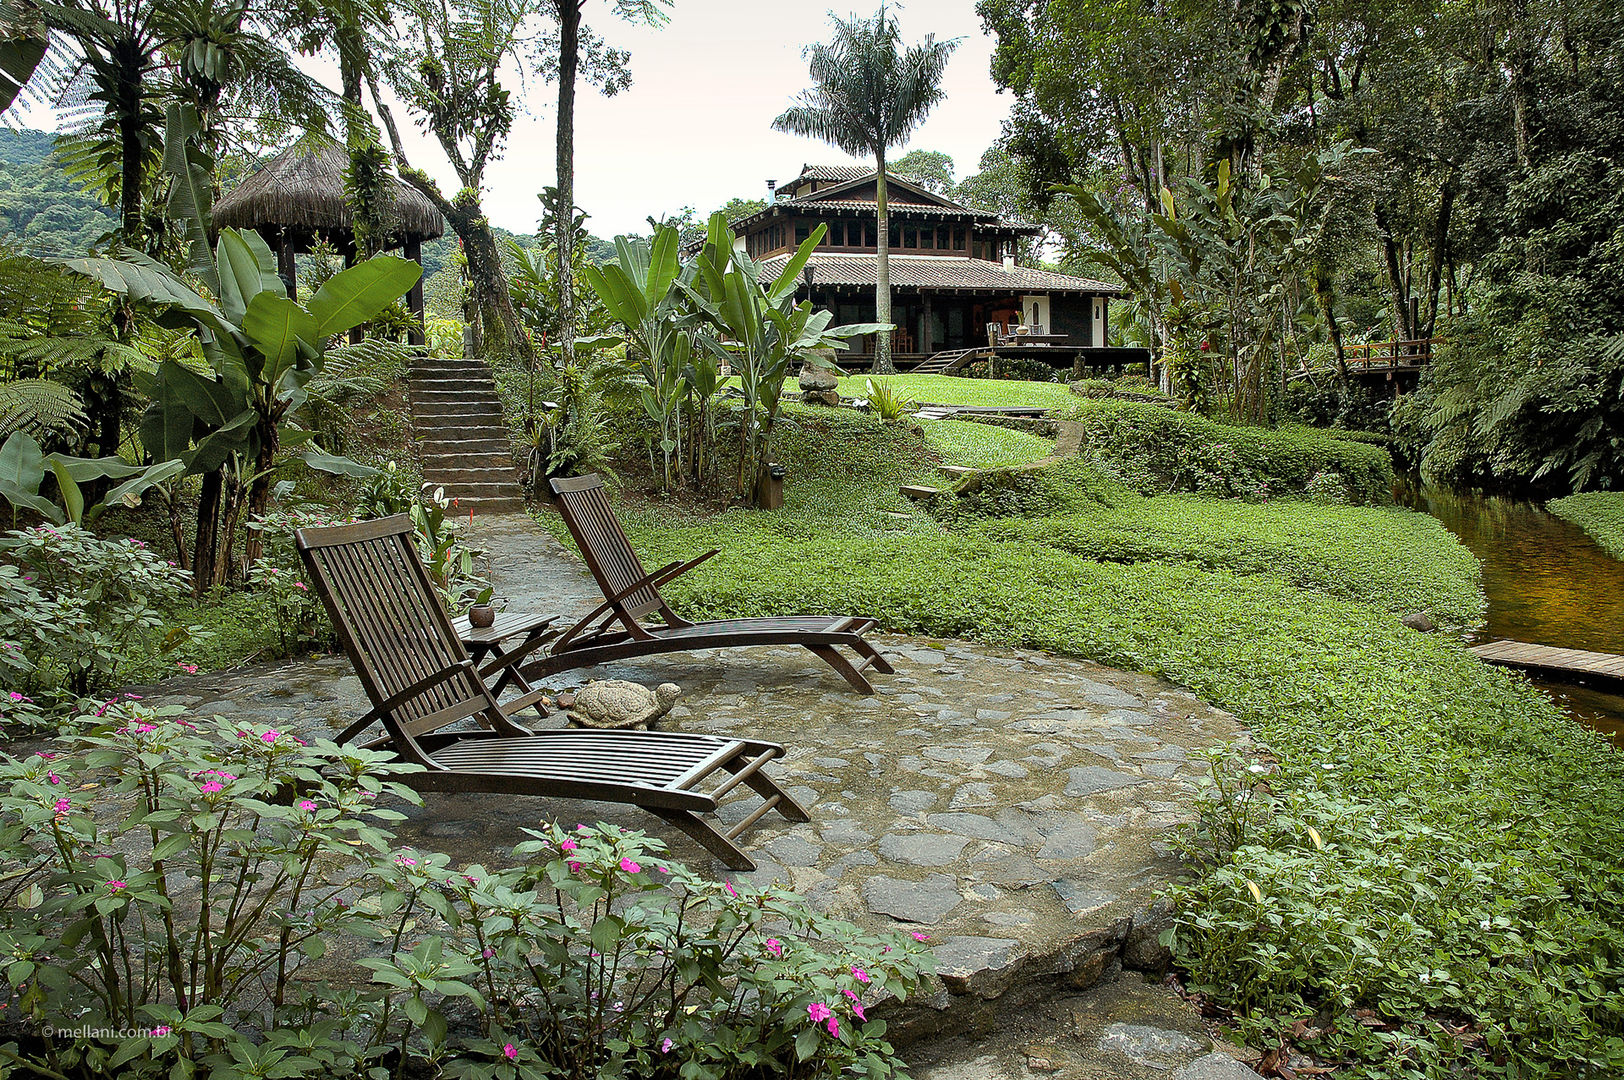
[{"x": 302, "y": 191}]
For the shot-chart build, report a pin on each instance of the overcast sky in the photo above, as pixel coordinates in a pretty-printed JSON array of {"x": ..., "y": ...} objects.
[{"x": 694, "y": 129}]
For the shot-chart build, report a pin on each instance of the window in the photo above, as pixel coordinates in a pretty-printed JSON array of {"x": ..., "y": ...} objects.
[
  {"x": 910, "y": 238},
  {"x": 896, "y": 236},
  {"x": 958, "y": 239},
  {"x": 942, "y": 238},
  {"x": 801, "y": 233},
  {"x": 870, "y": 235},
  {"x": 837, "y": 234},
  {"x": 925, "y": 238}
]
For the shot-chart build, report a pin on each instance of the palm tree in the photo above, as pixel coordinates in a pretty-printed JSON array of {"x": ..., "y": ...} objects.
[{"x": 868, "y": 95}]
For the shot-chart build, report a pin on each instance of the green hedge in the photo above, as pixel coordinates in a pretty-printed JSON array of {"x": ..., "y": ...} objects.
[
  {"x": 1158, "y": 450},
  {"x": 1599, "y": 513}
]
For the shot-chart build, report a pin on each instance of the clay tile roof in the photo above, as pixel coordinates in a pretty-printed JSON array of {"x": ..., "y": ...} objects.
[{"x": 941, "y": 272}]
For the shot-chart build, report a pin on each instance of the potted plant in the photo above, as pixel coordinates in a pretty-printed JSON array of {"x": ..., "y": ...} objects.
[{"x": 483, "y": 611}]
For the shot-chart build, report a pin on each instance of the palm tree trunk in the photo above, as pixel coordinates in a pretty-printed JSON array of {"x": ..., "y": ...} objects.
[
  {"x": 882, "y": 273},
  {"x": 569, "y": 33}
]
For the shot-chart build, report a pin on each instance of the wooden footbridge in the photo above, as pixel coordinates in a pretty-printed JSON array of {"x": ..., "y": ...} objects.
[{"x": 1548, "y": 661}]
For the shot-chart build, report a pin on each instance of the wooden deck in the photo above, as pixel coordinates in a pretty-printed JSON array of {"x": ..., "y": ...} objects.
[{"x": 1554, "y": 663}]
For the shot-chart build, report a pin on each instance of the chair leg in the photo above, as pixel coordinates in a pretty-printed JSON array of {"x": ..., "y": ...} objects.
[
  {"x": 767, "y": 787},
  {"x": 829, "y": 656},
  {"x": 714, "y": 842},
  {"x": 876, "y": 659}
]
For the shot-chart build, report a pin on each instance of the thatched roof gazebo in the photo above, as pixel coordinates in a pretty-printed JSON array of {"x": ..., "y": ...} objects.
[{"x": 298, "y": 199}]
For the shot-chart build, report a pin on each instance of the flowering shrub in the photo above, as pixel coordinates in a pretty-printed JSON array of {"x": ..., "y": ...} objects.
[
  {"x": 169, "y": 922},
  {"x": 601, "y": 957},
  {"x": 76, "y": 605}
]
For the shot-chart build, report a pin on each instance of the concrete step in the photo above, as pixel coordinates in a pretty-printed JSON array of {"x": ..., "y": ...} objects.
[
  {"x": 472, "y": 398},
  {"x": 450, "y": 382},
  {"x": 473, "y": 475},
  {"x": 448, "y": 447},
  {"x": 444, "y": 416}
]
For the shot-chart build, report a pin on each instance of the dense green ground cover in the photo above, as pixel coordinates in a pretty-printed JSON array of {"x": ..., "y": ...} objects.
[
  {"x": 1395, "y": 559},
  {"x": 1599, "y": 513},
  {"x": 1434, "y": 844},
  {"x": 982, "y": 446}
]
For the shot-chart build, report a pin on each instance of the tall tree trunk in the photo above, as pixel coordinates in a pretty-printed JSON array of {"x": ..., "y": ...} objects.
[
  {"x": 1396, "y": 291},
  {"x": 882, "y": 272},
  {"x": 1440, "y": 250},
  {"x": 131, "y": 136},
  {"x": 259, "y": 491},
  {"x": 468, "y": 220},
  {"x": 206, "y": 542},
  {"x": 569, "y": 35}
]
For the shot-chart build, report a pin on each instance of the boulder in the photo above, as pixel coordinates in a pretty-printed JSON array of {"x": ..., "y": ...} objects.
[
  {"x": 1419, "y": 620},
  {"x": 830, "y": 398},
  {"x": 818, "y": 378}
]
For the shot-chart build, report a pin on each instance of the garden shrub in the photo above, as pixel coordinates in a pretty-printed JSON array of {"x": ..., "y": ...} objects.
[
  {"x": 175, "y": 923},
  {"x": 76, "y": 606},
  {"x": 1599, "y": 513},
  {"x": 1016, "y": 368},
  {"x": 1157, "y": 450}
]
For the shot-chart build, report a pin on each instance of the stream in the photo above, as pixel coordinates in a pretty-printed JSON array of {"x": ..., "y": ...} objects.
[{"x": 1546, "y": 582}]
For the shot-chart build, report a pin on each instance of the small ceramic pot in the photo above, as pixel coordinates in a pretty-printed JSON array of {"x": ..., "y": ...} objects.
[{"x": 481, "y": 615}]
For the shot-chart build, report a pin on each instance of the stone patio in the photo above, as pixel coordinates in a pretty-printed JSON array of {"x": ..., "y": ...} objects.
[{"x": 1014, "y": 805}]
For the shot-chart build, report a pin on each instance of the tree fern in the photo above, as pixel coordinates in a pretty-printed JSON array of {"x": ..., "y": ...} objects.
[{"x": 39, "y": 408}]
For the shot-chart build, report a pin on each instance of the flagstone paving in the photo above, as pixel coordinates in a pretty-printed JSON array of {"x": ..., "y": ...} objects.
[{"x": 1016, "y": 806}]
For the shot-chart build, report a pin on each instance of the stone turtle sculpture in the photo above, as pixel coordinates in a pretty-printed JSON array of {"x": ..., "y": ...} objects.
[{"x": 616, "y": 703}]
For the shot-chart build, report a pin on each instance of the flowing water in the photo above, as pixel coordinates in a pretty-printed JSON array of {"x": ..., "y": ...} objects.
[{"x": 1546, "y": 581}]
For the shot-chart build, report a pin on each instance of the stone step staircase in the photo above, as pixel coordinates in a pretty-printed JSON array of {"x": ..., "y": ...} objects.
[{"x": 463, "y": 442}]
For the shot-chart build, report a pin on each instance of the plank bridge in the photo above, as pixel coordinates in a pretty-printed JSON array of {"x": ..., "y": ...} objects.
[
  {"x": 1386, "y": 359},
  {"x": 1548, "y": 661}
]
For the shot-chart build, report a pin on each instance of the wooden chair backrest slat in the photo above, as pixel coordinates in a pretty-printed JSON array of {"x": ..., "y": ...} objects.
[
  {"x": 390, "y": 621},
  {"x": 608, "y": 553}
]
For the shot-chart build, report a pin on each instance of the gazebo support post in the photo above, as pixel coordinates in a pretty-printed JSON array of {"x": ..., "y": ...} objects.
[
  {"x": 285, "y": 265},
  {"x": 416, "y": 335}
]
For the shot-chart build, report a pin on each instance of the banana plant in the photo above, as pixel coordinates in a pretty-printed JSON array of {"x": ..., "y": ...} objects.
[
  {"x": 641, "y": 291},
  {"x": 759, "y": 330},
  {"x": 261, "y": 346},
  {"x": 24, "y": 467}
]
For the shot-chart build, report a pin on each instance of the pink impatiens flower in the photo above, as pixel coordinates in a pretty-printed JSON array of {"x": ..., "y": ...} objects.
[
  {"x": 575, "y": 867},
  {"x": 728, "y": 885},
  {"x": 160, "y": 1031},
  {"x": 775, "y": 946},
  {"x": 211, "y": 786},
  {"x": 665, "y": 1047},
  {"x": 859, "y": 974},
  {"x": 630, "y": 867},
  {"x": 567, "y": 845},
  {"x": 270, "y": 736},
  {"x": 190, "y": 669},
  {"x": 510, "y": 1051},
  {"x": 405, "y": 860},
  {"x": 833, "y": 1024},
  {"x": 53, "y": 778},
  {"x": 62, "y": 807},
  {"x": 307, "y": 806},
  {"x": 917, "y": 936},
  {"x": 115, "y": 886},
  {"x": 819, "y": 1011}
]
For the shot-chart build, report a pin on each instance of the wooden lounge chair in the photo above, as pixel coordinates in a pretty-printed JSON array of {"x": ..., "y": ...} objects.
[
  {"x": 616, "y": 630},
  {"x": 421, "y": 683}
]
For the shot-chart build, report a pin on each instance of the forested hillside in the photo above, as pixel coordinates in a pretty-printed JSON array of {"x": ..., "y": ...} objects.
[{"x": 42, "y": 210}]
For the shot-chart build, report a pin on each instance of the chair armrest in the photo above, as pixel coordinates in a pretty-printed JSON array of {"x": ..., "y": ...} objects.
[
  {"x": 676, "y": 570},
  {"x": 517, "y": 655},
  {"x": 417, "y": 689}
]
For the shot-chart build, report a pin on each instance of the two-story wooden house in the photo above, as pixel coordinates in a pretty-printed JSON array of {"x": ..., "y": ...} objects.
[{"x": 954, "y": 282}]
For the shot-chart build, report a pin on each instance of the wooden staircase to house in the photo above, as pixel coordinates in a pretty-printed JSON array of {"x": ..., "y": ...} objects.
[
  {"x": 463, "y": 442},
  {"x": 943, "y": 362}
]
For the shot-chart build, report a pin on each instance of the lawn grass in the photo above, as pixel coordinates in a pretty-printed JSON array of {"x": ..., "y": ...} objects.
[
  {"x": 1438, "y": 839},
  {"x": 983, "y": 446},
  {"x": 952, "y": 390},
  {"x": 1599, "y": 513}
]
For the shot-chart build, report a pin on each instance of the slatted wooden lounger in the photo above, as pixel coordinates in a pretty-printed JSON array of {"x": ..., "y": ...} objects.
[
  {"x": 616, "y": 630},
  {"x": 421, "y": 683}
]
